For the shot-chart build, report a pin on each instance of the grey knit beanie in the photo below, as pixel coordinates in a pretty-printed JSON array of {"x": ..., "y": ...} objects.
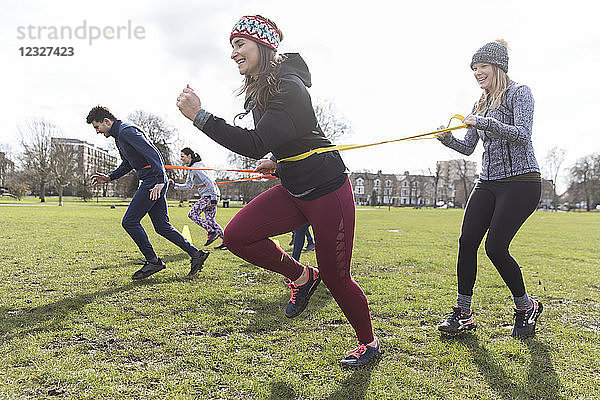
[{"x": 492, "y": 53}]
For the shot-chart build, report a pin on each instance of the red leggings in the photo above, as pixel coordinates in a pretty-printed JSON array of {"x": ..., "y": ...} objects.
[{"x": 331, "y": 216}]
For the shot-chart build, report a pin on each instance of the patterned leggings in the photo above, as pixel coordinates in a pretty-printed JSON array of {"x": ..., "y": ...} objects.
[{"x": 208, "y": 222}]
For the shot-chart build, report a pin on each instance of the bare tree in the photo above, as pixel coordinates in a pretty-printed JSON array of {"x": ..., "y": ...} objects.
[
  {"x": 250, "y": 189},
  {"x": 35, "y": 137},
  {"x": 7, "y": 166},
  {"x": 552, "y": 163},
  {"x": 85, "y": 186},
  {"x": 436, "y": 182},
  {"x": 584, "y": 178},
  {"x": 17, "y": 189},
  {"x": 15, "y": 183},
  {"x": 333, "y": 125},
  {"x": 179, "y": 175},
  {"x": 160, "y": 133},
  {"x": 63, "y": 164},
  {"x": 466, "y": 180}
]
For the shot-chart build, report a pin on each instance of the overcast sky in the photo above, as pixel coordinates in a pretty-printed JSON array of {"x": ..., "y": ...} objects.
[{"x": 391, "y": 68}]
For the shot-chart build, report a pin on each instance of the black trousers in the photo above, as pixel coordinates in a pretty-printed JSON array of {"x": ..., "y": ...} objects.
[{"x": 500, "y": 208}]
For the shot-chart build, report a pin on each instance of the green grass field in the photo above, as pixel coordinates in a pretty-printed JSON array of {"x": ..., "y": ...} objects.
[{"x": 74, "y": 325}]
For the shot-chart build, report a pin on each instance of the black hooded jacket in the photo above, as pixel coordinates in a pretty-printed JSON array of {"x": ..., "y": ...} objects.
[{"x": 287, "y": 127}]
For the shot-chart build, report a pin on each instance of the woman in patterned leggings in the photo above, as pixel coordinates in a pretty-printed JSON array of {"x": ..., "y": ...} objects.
[{"x": 209, "y": 196}]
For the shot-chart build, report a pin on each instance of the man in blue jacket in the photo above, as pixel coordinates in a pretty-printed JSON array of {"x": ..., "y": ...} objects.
[{"x": 138, "y": 153}]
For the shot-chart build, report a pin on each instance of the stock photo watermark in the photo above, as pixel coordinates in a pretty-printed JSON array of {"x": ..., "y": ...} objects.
[{"x": 88, "y": 33}]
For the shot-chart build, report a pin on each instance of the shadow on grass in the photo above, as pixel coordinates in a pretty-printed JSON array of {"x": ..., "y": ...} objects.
[
  {"x": 20, "y": 323},
  {"x": 542, "y": 380},
  {"x": 352, "y": 388},
  {"x": 263, "y": 315},
  {"x": 140, "y": 261},
  {"x": 268, "y": 316},
  {"x": 355, "y": 386}
]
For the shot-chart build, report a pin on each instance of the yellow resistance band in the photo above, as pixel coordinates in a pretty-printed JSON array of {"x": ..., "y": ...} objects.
[{"x": 341, "y": 147}]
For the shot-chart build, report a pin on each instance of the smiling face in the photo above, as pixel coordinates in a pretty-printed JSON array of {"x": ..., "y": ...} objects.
[
  {"x": 484, "y": 74},
  {"x": 186, "y": 159},
  {"x": 246, "y": 55},
  {"x": 103, "y": 127}
]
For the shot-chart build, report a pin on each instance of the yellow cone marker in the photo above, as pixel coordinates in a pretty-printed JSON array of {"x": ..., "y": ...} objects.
[{"x": 186, "y": 233}]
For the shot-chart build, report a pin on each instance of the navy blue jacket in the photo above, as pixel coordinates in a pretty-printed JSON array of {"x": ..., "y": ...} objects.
[{"x": 137, "y": 152}]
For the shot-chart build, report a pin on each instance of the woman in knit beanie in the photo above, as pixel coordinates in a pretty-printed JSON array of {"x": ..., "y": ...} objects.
[
  {"x": 314, "y": 189},
  {"x": 508, "y": 189}
]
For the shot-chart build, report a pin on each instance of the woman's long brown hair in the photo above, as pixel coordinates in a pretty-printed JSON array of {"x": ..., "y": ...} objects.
[{"x": 265, "y": 85}]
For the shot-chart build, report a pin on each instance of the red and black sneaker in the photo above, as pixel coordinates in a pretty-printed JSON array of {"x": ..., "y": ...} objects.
[
  {"x": 525, "y": 320},
  {"x": 301, "y": 294},
  {"x": 362, "y": 355},
  {"x": 211, "y": 237},
  {"x": 458, "y": 321}
]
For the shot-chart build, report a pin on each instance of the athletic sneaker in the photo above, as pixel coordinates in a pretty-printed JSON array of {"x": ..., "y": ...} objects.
[
  {"x": 301, "y": 294},
  {"x": 458, "y": 321},
  {"x": 148, "y": 269},
  {"x": 362, "y": 355},
  {"x": 211, "y": 237},
  {"x": 197, "y": 262},
  {"x": 525, "y": 320},
  {"x": 309, "y": 247},
  {"x": 221, "y": 247}
]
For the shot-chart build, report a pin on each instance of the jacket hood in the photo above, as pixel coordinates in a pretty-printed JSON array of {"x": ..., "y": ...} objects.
[{"x": 293, "y": 64}]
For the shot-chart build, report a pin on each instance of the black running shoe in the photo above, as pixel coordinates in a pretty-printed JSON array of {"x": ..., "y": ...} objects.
[
  {"x": 221, "y": 247},
  {"x": 198, "y": 261},
  {"x": 362, "y": 355},
  {"x": 148, "y": 269},
  {"x": 211, "y": 237},
  {"x": 301, "y": 294},
  {"x": 309, "y": 247},
  {"x": 525, "y": 320},
  {"x": 458, "y": 321}
]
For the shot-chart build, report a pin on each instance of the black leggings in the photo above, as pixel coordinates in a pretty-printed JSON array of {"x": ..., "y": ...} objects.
[{"x": 500, "y": 208}]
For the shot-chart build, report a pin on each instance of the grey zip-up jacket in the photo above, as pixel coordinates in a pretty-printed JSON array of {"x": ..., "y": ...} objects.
[
  {"x": 206, "y": 187},
  {"x": 506, "y": 136}
]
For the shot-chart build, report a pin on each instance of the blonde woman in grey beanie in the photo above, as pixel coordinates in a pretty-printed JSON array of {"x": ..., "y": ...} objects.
[{"x": 507, "y": 192}]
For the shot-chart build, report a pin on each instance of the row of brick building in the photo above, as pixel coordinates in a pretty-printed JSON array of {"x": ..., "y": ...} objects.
[{"x": 449, "y": 186}]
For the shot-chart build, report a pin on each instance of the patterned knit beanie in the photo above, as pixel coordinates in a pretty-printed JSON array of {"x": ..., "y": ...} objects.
[
  {"x": 492, "y": 53},
  {"x": 256, "y": 28}
]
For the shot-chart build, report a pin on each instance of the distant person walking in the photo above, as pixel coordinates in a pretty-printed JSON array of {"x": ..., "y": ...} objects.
[
  {"x": 209, "y": 196},
  {"x": 138, "y": 153},
  {"x": 507, "y": 192},
  {"x": 313, "y": 190}
]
